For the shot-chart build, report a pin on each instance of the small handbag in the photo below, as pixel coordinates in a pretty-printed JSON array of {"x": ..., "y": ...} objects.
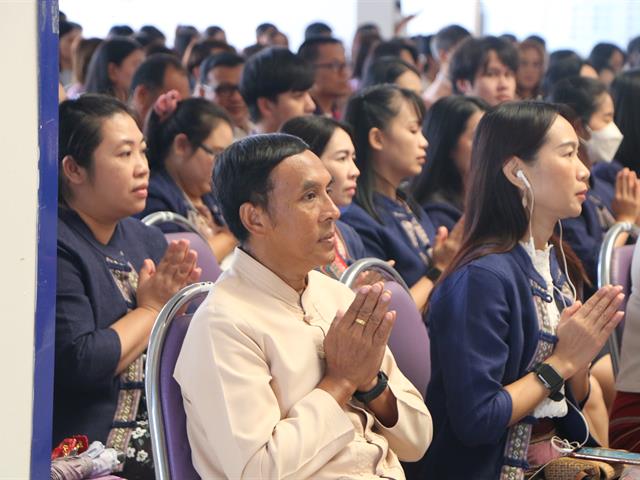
[{"x": 568, "y": 468}]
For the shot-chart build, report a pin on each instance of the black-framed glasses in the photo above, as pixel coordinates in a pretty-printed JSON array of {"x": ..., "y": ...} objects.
[
  {"x": 224, "y": 89},
  {"x": 334, "y": 66},
  {"x": 214, "y": 152}
]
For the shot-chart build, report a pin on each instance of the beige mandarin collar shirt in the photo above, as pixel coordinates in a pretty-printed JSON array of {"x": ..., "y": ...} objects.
[{"x": 248, "y": 371}]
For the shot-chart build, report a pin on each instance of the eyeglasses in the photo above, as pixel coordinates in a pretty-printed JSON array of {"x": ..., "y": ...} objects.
[
  {"x": 334, "y": 66},
  {"x": 214, "y": 152},
  {"x": 223, "y": 90}
]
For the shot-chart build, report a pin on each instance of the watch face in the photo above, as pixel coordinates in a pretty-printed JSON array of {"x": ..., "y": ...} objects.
[
  {"x": 433, "y": 274},
  {"x": 549, "y": 377}
]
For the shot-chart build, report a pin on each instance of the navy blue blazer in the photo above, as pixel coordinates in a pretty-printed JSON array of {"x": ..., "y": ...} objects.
[
  {"x": 88, "y": 302},
  {"x": 389, "y": 240},
  {"x": 606, "y": 172},
  {"x": 484, "y": 331}
]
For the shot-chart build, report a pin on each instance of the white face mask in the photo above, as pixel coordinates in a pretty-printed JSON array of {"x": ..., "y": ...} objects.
[{"x": 604, "y": 143}]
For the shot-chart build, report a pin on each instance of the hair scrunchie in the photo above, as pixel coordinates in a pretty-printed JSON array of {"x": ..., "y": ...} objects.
[{"x": 166, "y": 104}]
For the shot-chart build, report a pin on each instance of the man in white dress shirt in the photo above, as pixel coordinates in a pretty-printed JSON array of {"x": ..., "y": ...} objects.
[{"x": 285, "y": 372}]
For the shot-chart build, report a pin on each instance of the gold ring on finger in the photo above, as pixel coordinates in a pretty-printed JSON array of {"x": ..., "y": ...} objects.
[{"x": 360, "y": 321}]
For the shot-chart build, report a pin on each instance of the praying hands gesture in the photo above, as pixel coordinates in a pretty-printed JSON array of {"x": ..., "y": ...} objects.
[
  {"x": 156, "y": 285},
  {"x": 582, "y": 331},
  {"x": 584, "y": 328},
  {"x": 447, "y": 244},
  {"x": 626, "y": 203},
  {"x": 354, "y": 348}
]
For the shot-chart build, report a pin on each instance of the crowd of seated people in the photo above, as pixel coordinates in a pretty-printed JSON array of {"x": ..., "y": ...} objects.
[{"x": 488, "y": 185}]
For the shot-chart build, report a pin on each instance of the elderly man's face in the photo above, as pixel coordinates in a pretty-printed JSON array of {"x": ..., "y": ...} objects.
[{"x": 301, "y": 215}]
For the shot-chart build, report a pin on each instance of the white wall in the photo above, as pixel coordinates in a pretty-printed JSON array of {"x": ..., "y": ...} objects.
[
  {"x": 381, "y": 12},
  {"x": 574, "y": 24},
  {"x": 18, "y": 196},
  {"x": 430, "y": 19},
  {"x": 239, "y": 18}
]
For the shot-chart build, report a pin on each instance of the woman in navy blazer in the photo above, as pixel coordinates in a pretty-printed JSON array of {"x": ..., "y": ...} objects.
[
  {"x": 614, "y": 191},
  {"x": 390, "y": 148},
  {"x": 114, "y": 276},
  {"x": 449, "y": 127},
  {"x": 504, "y": 334}
]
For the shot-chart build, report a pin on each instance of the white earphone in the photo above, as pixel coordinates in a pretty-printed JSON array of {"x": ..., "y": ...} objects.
[
  {"x": 520, "y": 174},
  {"x": 564, "y": 447}
]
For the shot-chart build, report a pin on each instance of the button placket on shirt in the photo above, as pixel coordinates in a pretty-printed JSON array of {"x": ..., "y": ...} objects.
[{"x": 320, "y": 330}]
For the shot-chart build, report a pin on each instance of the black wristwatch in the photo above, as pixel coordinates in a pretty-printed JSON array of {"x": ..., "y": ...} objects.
[
  {"x": 375, "y": 392},
  {"x": 433, "y": 273},
  {"x": 550, "y": 379}
]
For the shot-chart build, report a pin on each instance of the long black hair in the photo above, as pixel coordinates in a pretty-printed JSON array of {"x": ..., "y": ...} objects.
[
  {"x": 113, "y": 50},
  {"x": 445, "y": 122},
  {"x": 496, "y": 218},
  {"x": 315, "y": 130},
  {"x": 600, "y": 56},
  {"x": 376, "y": 107},
  {"x": 386, "y": 70},
  {"x": 562, "y": 64},
  {"x": 582, "y": 94},
  {"x": 625, "y": 90}
]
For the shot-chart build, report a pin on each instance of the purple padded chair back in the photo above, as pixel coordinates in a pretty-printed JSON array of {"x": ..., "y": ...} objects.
[
  {"x": 167, "y": 419},
  {"x": 621, "y": 269},
  {"x": 206, "y": 259},
  {"x": 409, "y": 341},
  {"x": 614, "y": 267},
  {"x": 175, "y": 420}
]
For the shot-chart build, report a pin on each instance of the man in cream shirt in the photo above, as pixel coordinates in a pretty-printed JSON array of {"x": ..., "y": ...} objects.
[{"x": 285, "y": 372}]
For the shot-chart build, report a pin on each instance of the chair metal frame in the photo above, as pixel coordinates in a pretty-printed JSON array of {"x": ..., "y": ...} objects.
[
  {"x": 604, "y": 276},
  {"x": 351, "y": 274},
  {"x": 152, "y": 373},
  {"x": 158, "y": 218}
]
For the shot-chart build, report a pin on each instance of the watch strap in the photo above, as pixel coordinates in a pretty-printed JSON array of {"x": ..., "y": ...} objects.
[
  {"x": 551, "y": 379},
  {"x": 375, "y": 392},
  {"x": 433, "y": 273}
]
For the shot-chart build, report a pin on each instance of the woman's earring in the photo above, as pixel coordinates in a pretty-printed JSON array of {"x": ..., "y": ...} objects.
[{"x": 524, "y": 199}]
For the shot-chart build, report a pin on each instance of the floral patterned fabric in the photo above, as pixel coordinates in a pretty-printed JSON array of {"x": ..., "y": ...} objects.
[
  {"x": 139, "y": 462},
  {"x": 130, "y": 431}
]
